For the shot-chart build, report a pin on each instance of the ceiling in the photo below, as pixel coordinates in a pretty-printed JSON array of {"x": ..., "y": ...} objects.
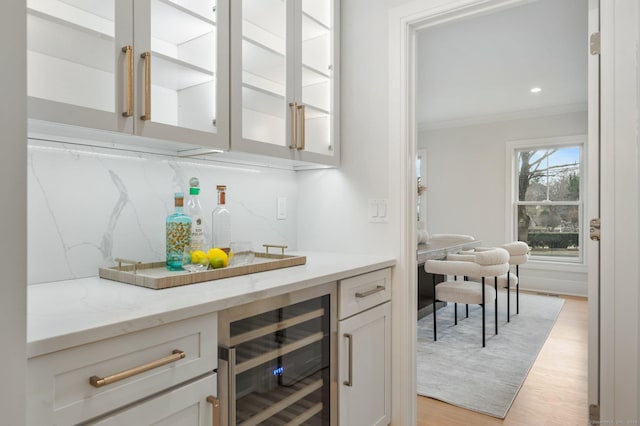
[{"x": 482, "y": 68}]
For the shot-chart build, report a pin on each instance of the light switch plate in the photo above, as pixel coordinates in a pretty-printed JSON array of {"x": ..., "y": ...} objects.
[{"x": 377, "y": 210}]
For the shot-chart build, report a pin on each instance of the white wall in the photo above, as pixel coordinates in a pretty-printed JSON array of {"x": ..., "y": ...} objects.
[
  {"x": 333, "y": 203},
  {"x": 466, "y": 171},
  {"x": 466, "y": 187},
  {"x": 13, "y": 226}
]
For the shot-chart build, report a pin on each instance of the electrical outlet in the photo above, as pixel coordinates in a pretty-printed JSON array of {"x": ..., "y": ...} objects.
[{"x": 281, "y": 208}]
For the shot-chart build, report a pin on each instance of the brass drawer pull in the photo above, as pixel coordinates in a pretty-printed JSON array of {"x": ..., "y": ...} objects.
[
  {"x": 215, "y": 403},
  {"x": 128, "y": 51},
  {"x": 147, "y": 86},
  {"x": 303, "y": 119},
  {"x": 378, "y": 289},
  {"x": 98, "y": 382},
  {"x": 294, "y": 125}
]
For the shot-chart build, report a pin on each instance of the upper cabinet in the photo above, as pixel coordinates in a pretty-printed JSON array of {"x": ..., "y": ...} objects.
[
  {"x": 154, "y": 68},
  {"x": 248, "y": 76},
  {"x": 284, "y": 86}
]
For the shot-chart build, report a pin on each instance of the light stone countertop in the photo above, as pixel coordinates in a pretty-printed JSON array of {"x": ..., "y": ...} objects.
[{"x": 68, "y": 313}]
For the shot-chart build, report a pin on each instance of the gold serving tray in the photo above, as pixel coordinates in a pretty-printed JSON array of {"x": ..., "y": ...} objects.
[{"x": 156, "y": 276}]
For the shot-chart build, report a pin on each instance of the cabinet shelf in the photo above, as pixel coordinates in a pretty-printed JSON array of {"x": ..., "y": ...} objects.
[
  {"x": 263, "y": 61},
  {"x": 313, "y": 28},
  {"x": 69, "y": 63},
  {"x": 263, "y": 101},
  {"x": 52, "y": 36},
  {"x": 283, "y": 406},
  {"x": 97, "y": 19},
  {"x": 176, "y": 74},
  {"x": 176, "y": 24},
  {"x": 259, "y": 327},
  {"x": 256, "y": 353}
]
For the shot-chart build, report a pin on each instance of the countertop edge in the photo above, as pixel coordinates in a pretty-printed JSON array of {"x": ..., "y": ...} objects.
[{"x": 38, "y": 347}]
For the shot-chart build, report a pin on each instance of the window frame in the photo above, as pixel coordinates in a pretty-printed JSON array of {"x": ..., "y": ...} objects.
[{"x": 512, "y": 201}]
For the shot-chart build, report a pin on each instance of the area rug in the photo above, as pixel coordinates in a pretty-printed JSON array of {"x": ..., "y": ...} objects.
[{"x": 456, "y": 368}]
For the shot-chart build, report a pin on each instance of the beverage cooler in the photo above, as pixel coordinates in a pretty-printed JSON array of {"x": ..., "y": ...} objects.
[{"x": 277, "y": 360}]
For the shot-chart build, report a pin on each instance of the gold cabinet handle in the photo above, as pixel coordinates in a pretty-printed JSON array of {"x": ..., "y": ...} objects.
[
  {"x": 98, "y": 382},
  {"x": 302, "y": 128},
  {"x": 128, "y": 51},
  {"x": 378, "y": 289},
  {"x": 147, "y": 86},
  {"x": 349, "y": 381},
  {"x": 215, "y": 405},
  {"x": 294, "y": 125}
]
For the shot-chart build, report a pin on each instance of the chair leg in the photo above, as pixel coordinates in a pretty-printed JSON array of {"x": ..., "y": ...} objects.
[
  {"x": 467, "y": 311},
  {"x": 518, "y": 289},
  {"x": 483, "y": 322},
  {"x": 508, "y": 296},
  {"x": 495, "y": 302},
  {"x": 455, "y": 313},
  {"x": 435, "y": 335}
]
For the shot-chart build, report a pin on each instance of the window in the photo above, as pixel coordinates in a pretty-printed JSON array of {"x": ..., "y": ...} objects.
[{"x": 548, "y": 201}]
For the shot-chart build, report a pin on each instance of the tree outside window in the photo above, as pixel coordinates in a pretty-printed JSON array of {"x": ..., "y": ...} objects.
[{"x": 549, "y": 201}]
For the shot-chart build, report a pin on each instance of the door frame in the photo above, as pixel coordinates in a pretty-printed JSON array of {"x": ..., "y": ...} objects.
[{"x": 404, "y": 22}]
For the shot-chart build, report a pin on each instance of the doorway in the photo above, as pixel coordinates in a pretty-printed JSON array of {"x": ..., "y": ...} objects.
[{"x": 439, "y": 15}]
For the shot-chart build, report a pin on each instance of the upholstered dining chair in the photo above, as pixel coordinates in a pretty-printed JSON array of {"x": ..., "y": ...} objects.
[
  {"x": 518, "y": 255},
  {"x": 485, "y": 264}
]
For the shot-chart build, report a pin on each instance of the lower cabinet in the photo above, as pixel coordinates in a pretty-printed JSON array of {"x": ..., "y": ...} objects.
[
  {"x": 127, "y": 375},
  {"x": 191, "y": 404},
  {"x": 364, "y": 360}
]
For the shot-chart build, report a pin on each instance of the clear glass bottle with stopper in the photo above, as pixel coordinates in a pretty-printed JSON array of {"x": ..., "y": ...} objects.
[
  {"x": 221, "y": 221},
  {"x": 178, "y": 234},
  {"x": 194, "y": 210}
]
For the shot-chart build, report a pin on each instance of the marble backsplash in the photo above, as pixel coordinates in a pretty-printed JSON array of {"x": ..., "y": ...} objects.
[{"x": 87, "y": 205}]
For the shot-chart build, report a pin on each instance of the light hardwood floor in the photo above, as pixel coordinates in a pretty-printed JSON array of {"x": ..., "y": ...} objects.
[{"x": 555, "y": 390}]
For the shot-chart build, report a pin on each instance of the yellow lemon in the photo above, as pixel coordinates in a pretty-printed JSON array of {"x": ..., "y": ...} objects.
[
  {"x": 198, "y": 256},
  {"x": 217, "y": 258}
]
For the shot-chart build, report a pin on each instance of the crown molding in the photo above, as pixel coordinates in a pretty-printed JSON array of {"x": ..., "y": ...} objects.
[{"x": 506, "y": 116}]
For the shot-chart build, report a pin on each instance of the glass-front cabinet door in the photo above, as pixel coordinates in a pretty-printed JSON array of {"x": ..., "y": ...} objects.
[
  {"x": 156, "y": 68},
  {"x": 283, "y": 86},
  {"x": 76, "y": 67},
  {"x": 318, "y": 86},
  {"x": 262, "y": 70},
  {"x": 181, "y": 76}
]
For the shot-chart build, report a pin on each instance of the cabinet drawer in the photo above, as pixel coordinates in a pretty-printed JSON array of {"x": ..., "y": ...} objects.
[
  {"x": 184, "y": 405},
  {"x": 59, "y": 388},
  {"x": 362, "y": 292}
]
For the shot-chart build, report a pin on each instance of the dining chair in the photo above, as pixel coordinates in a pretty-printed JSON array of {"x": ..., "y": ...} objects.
[
  {"x": 518, "y": 255},
  {"x": 485, "y": 264}
]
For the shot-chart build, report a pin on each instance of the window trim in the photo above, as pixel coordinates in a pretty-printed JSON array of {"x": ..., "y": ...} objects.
[{"x": 511, "y": 192}]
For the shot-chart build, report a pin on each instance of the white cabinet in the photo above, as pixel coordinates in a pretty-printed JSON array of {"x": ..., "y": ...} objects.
[
  {"x": 153, "y": 68},
  {"x": 364, "y": 345},
  {"x": 284, "y": 85},
  {"x": 93, "y": 380},
  {"x": 191, "y": 404}
]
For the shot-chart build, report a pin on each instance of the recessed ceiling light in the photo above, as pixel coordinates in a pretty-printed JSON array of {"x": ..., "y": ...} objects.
[{"x": 536, "y": 90}]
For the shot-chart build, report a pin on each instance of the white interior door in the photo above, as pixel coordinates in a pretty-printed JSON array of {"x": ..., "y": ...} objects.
[{"x": 593, "y": 209}]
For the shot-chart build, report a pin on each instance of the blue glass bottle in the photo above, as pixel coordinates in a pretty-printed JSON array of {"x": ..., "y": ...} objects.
[{"x": 178, "y": 234}]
